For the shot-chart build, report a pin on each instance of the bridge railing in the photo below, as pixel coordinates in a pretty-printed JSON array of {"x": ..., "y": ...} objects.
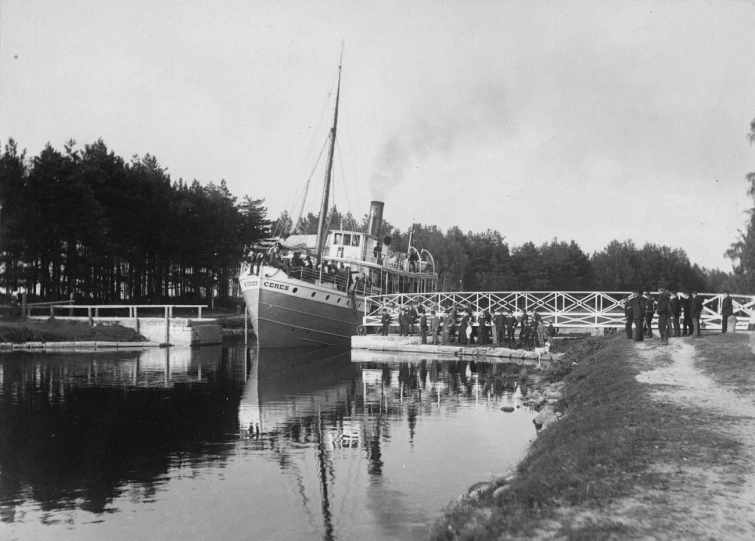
[{"x": 578, "y": 309}]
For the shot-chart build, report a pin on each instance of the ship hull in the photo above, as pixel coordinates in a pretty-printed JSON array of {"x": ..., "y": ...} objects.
[{"x": 287, "y": 312}]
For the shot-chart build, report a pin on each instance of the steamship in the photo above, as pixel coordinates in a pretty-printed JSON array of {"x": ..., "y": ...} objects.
[
  {"x": 292, "y": 306},
  {"x": 320, "y": 302}
]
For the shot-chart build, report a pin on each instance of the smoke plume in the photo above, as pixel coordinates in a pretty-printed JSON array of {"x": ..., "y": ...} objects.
[{"x": 444, "y": 123}]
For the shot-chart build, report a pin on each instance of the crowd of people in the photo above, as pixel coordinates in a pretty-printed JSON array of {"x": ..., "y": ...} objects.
[
  {"x": 462, "y": 325},
  {"x": 678, "y": 314}
]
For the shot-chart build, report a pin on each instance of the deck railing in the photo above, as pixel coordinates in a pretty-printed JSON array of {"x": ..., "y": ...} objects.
[{"x": 579, "y": 309}]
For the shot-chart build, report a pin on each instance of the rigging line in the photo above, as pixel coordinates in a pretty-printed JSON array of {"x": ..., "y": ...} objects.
[
  {"x": 349, "y": 201},
  {"x": 318, "y": 126},
  {"x": 296, "y": 216}
]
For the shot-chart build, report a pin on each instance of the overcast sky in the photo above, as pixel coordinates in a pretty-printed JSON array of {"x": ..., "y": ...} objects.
[{"x": 589, "y": 121}]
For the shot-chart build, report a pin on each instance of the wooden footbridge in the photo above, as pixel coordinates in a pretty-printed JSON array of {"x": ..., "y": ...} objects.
[{"x": 589, "y": 310}]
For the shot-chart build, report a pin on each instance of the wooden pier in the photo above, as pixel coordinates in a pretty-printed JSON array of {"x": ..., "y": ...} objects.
[{"x": 155, "y": 322}]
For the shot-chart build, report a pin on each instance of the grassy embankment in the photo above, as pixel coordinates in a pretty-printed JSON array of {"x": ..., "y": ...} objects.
[
  {"x": 17, "y": 332},
  {"x": 728, "y": 360},
  {"x": 604, "y": 450}
]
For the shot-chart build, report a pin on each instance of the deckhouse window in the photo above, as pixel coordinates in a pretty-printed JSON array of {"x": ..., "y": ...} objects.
[
  {"x": 346, "y": 239},
  {"x": 355, "y": 240},
  {"x": 336, "y": 239}
]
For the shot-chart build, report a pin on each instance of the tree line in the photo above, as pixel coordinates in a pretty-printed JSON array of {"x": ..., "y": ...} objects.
[
  {"x": 742, "y": 250},
  {"x": 87, "y": 222}
]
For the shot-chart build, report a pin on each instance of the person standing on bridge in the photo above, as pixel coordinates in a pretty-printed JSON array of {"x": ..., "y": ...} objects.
[
  {"x": 422, "y": 326},
  {"x": 663, "y": 311},
  {"x": 638, "y": 314},
  {"x": 628, "y": 316},
  {"x": 726, "y": 311}
]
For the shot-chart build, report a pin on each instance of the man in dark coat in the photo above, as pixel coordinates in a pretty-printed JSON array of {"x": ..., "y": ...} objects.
[
  {"x": 638, "y": 314},
  {"x": 695, "y": 311},
  {"x": 628, "y": 316},
  {"x": 385, "y": 320},
  {"x": 463, "y": 329},
  {"x": 510, "y": 330},
  {"x": 663, "y": 312},
  {"x": 434, "y": 325},
  {"x": 649, "y": 311},
  {"x": 726, "y": 311},
  {"x": 402, "y": 322},
  {"x": 499, "y": 326},
  {"x": 412, "y": 315},
  {"x": 675, "y": 307},
  {"x": 686, "y": 318},
  {"x": 422, "y": 326}
]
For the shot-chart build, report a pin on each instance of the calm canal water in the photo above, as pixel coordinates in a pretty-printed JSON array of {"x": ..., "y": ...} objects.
[{"x": 235, "y": 443}]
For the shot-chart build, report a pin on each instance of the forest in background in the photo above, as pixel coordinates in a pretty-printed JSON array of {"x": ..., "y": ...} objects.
[{"x": 87, "y": 222}]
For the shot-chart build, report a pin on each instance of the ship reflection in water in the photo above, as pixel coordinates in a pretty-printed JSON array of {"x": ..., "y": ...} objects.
[{"x": 240, "y": 443}]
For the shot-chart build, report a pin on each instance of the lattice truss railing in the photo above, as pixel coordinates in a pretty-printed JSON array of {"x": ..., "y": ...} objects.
[{"x": 586, "y": 309}]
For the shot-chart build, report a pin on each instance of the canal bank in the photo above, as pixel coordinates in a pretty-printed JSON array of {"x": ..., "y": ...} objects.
[{"x": 655, "y": 442}]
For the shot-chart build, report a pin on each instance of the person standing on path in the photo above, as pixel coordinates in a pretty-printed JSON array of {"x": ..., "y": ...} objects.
[
  {"x": 663, "y": 311},
  {"x": 726, "y": 311},
  {"x": 628, "y": 316},
  {"x": 638, "y": 314},
  {"x": 696, "y": 310},
  {"x": 686, "y": 314},
  {"x": 649, "y": 311},
  {"x": 675, "y": 308}
]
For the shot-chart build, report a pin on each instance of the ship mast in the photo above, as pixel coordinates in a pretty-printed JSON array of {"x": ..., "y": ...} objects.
[{"x": 322, "y": 226}]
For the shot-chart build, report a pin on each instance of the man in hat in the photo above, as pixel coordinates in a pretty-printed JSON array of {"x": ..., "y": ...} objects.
[
  {"x": 649, "y": 311},
  {"x": 638, "y": 314},
  {"x": 726, "y": 311},
  {"x": 422, "y": 326},
  {"x": 686, "y": 318},
  {"x": 675, "y": 308},
  {"x": 696, "y": 310},
  {"x": 628, "y": 315},
  {"x": 663, "y": 312},
  {"x": 434, "y": 324},
  {"x": 385, "y": 320}
]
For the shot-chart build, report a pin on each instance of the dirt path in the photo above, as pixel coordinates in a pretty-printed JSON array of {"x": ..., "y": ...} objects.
[{"x": 714, "y": 502}]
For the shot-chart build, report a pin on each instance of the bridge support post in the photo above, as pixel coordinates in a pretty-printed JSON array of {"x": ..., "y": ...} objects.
[{"x": 167, "y": 326}]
